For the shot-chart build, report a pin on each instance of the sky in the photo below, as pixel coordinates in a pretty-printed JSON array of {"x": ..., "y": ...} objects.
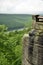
[{"x": 21, "y": 6}]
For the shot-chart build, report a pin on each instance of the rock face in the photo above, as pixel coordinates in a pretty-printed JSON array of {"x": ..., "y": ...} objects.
[
  {"x": 27, "y": 49},
  {"x": 33, "y": 43},
  {"x": 32, "y": 50},
  {"x": 38, "y": 50}
]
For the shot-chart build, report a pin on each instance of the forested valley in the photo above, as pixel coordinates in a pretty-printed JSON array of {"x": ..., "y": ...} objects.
[
  {"x": 11, "y": 39},
  {"x": 11, "y": 46}
]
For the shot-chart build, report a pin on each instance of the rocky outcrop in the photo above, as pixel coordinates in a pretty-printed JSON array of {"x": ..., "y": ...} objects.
[
  {"x": 27, "y": 50},
  {"x": 32, "y": 50}
]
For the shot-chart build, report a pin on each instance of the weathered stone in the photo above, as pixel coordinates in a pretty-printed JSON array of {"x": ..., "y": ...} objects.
[
  {"x": 33, "y": 44},
  {"x": 27, "y": 49},
  {"x": 38, "y": 51}
]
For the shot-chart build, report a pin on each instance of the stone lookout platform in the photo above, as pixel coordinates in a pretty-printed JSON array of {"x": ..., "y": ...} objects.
[{"x": 33, "y": 43}]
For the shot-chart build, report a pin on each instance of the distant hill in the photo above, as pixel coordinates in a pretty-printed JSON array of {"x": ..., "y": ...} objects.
[{"x": 15, "y": 21}]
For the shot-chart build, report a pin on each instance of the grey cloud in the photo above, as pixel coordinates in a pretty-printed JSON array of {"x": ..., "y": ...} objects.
[{"x": 21, "y": 6}]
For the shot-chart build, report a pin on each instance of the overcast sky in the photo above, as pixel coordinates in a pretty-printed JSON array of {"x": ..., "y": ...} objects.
[{"x": 21, "y": 6}]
